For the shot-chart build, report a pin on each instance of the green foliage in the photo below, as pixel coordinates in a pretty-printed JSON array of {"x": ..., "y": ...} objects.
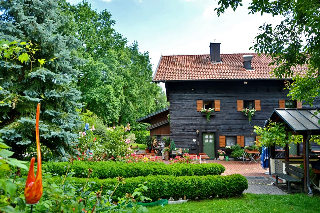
[
  {"x": 249, "y": 113},
  {"x": 264, "y": 203},
  {"x": 167, "y": 141},
  {"x": 116, "y": 80},
  {"x": 66, "y": 197},
  {"x": 5, "y": 159},
  {"x": 163, "y": 186},
  {"x": 141, "y": 136},
  {"x": 105, "y": 143},
  {"x": 274, "y": 134},
  {"x": 292, "y": 43},
  {"x": 237, "y": 151},
  {"x": 111, "y": 169},
  {"x": 172, "y": 145},
  {"x": 117, "y": 144},
  {"x": 47, "y": 76}
]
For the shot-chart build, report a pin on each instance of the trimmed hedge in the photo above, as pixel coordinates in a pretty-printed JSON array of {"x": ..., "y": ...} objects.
[
  {"x": 111, "y": 169},
  {"x": 164, "y": 186}
]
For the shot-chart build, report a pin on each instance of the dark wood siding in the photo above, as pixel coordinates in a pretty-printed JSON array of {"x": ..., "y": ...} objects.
[
  {"x": 185, "y": 120},
  {"x": 161, "y": 130}
]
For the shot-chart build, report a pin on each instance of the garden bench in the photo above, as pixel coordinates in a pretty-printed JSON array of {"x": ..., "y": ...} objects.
[
  {"x": 203, "y": 156},
  {"x": 293, "y": 174}
]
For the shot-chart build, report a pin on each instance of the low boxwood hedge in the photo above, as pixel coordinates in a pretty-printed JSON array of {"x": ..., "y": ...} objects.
[
  {"x": 165, "y": 186},
  {"x": 111, "y": 169}
]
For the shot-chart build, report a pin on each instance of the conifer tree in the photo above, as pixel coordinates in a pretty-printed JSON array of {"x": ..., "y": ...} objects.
[{"x": 47, "y": 77}]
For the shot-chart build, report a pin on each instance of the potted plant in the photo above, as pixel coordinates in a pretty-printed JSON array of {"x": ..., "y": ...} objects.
[
  {"x": 207, "y": 112},
  {"x": 166, "y": 153},
  {"x": 249, "y": 113},
  {"x": 237, "y": 151},
  {"x": 221, "y": 154},
  {"x": 228, "y": 149},
  {"x": 185, "y": 150}
]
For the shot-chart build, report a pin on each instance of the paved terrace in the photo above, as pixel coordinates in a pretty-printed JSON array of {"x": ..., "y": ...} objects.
[{"x": 258, "y": 178}]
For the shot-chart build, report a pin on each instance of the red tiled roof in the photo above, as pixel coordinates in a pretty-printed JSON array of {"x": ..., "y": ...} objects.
[{"x": 199, "y": 67}]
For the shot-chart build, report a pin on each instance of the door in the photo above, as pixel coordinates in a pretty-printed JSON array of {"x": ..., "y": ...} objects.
[{"x": 208, "y": 144}]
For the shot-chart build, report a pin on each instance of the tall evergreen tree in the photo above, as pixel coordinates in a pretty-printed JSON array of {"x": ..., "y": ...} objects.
[{"x": 41, "y": 23}]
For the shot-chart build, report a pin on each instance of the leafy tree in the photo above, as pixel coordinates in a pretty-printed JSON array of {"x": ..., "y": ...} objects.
[
  {"x": 292, "y": 43},
  {"x": 275, "y": 134},
  {"x": 116, "y": 79},
  {"x": 49, "y": 80}
]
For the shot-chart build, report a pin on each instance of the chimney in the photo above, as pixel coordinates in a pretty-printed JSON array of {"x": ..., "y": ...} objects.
[
  {"x": 247, "y": 61},
  {"x": 215, "y": 52}
]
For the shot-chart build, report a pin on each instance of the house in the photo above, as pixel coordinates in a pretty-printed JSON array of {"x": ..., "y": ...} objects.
[
  {"x": 159, "y": 123},
  {"x": 228, "y": 83}
]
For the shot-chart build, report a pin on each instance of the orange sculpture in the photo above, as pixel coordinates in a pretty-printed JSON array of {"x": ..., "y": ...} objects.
[{"x": 33, "y": 190}]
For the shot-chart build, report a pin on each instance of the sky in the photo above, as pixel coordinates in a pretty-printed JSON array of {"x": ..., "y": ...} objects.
[{"x": 182, "y": 27}]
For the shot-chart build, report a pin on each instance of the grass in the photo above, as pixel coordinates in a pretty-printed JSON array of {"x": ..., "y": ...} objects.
[
  {"x": 248, "y": 203},
  {"x": 141, "y": 146}
]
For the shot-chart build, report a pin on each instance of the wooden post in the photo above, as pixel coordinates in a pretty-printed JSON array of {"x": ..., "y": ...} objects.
[
  {"x": 273, "y": 152},
  {"x": 305, "y": 162},
  {"x": 306, "y": 179},
  {"x": 286, "y": 153}
]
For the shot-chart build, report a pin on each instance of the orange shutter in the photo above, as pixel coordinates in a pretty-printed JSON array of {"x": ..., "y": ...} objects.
[
  {"x": 258, "y": 141},
  {"x": 240, "y": 140},
  {"x": 222, "y": 141},
  {"x": 239, "y": 105},
  {"x": 257, "y": 105},
  {"x": 199, "y": 105},
  {"x": 282, "y": 104},
  {"x": 217, "y": 105},
  {"x": 299, "y": 104}
]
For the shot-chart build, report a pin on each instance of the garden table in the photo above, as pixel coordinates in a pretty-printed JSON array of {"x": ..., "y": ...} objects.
[{"x": 251, "y": 154}]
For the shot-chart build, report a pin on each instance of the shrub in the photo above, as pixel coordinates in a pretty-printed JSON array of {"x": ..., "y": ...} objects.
[
  {"x": 164, "y": 186},
  {"x": 237, "y": 151},
  {"x": 112, "y": 169},
  {"x": 141, "y": 136}
]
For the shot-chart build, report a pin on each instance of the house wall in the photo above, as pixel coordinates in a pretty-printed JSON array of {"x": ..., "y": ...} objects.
[
  {"x": 161, "y": 130},
  {"x": 159, "y": 117},
  {"x": 185, "y": 120}
]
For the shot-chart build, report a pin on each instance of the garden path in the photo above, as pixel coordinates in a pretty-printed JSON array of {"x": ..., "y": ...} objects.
[{"x": 259, "y": 180}]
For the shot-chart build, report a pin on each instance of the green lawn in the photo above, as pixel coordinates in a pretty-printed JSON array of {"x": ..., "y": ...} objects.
[
  {"x": 141, "y": 146},
  {"x": 248, "y": 203}
]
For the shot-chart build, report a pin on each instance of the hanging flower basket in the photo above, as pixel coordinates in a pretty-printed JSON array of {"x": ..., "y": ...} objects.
[
  {"x": 249, "y": 113},
  {"x": 207, "y": 112}
]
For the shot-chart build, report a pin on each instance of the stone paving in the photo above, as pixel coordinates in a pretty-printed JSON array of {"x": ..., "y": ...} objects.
[{"x": 259, "y": 180}]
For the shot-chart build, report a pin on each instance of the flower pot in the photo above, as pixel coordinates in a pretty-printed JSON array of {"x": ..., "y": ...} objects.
[
  {"x": 221, "y": 157},
  {"x": 166, "y": 155}
]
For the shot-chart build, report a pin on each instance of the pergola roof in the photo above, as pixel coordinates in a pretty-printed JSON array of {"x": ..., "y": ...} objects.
[
  {"x": 147, "y": 118},
  {"x": 301, "y": 121}
]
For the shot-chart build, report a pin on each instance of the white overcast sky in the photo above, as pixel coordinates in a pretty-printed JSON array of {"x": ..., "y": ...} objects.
[{"x": 179, "y": 27}]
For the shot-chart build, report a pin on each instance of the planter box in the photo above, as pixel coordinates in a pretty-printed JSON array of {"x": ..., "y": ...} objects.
[{"x": 205, "y": 114}]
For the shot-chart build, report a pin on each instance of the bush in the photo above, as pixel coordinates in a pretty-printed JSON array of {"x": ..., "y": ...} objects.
[
  {"x": 111, "y": 169},
  {"x": 141, "y": 136},
  {"x": 237, "y": 151},
  {"x": 164, "y": 186}
]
